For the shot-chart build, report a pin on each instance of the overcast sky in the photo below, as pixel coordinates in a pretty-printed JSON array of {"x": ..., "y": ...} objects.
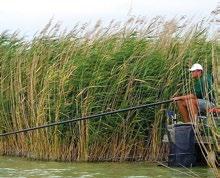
[{"x": 30, "y": 16}]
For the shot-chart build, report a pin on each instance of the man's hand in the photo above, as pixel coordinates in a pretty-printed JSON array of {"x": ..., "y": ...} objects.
[
  {"x": 184, "y": 97},
  {"x": 177, "y": 98}
]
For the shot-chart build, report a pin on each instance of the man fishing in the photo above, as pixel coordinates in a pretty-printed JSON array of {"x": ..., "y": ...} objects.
[{"x": 192, "y": 104}]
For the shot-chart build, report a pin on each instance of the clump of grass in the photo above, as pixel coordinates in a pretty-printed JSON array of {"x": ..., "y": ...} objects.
[{"x": 63, "y": 75}]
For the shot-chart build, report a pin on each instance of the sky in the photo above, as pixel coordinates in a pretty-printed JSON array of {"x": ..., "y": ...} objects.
[{"x": 30, "y": 16}]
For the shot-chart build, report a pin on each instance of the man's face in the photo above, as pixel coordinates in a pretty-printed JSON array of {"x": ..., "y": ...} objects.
[{"x": 196, "y": 74}]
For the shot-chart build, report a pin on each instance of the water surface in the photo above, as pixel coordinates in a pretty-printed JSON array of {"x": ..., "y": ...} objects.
[{"x": 20, "y": 167}]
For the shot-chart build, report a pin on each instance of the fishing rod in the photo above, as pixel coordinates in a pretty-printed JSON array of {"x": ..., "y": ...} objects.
[{"x": 85, "y": 118}]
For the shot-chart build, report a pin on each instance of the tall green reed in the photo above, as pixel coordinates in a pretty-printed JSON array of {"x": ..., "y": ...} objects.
[{"x": 63, "y": 75}]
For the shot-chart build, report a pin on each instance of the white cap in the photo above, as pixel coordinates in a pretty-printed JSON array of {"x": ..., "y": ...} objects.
[{"x": 195, "y": 67}]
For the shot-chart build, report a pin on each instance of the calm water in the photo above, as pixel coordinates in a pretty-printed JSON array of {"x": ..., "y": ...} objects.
[{"x": 18, "y": 167}]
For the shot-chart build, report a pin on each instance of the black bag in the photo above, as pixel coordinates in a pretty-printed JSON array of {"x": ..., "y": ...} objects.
[{"x": 182, "y": 149}]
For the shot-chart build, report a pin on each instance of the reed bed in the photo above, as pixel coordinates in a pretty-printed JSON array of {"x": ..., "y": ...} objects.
[{"x": 61, "y": 75}]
